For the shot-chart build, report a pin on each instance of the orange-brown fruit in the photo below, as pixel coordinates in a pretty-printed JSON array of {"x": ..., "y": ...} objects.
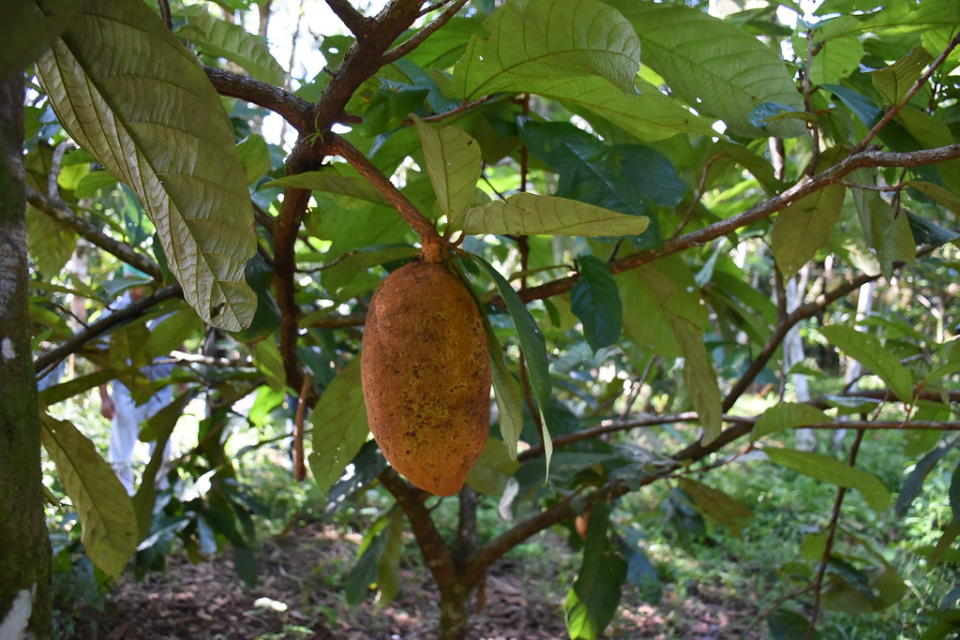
[{"x": 426, "y": 376}]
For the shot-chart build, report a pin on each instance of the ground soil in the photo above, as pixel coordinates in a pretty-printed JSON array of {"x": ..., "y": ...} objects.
[{"x": 297, "y": 596}]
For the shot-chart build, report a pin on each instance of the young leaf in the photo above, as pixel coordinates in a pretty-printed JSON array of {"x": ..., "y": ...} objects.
[
  {"x": 231, "y": 41},
  {"x": 803, "y": 227},
  {"x": 831, "y": 470},
  {"x": 105, "y": 79},
  {"x": 339, "y": 426},
  {"x": 106, "y": 513},
  {"x": 595, "y": 299},
  {"x": 549, "y": 38},
  {"x": 787, "y": 415},
  {"x": 532, "y": 214},
  {"x": 866, "y": 349},
  {"x": 453, "y": 162},
  {"x": 694, "y": 52},
  {"x": 594, "y": 597}
]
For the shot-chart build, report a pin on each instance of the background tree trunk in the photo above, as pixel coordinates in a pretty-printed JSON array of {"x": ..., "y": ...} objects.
[{"x": 24, "y": 545}]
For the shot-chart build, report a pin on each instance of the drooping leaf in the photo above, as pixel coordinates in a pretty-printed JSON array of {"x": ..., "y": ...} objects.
[
  {"x": 388, "y": 571},
  {"x": 339, "y": 426},
  {"x": 508, "y": 394},
  {"x": 595, "y": 299},
  {"x": 532, "y": 214},
  {"x": 713, "y": 64},
  {"x": 231, "y": 41},
  {"x": 787, "y": 415},
  {"x": 827, "y": 469},
  {"x": 131, "y": 95},
  {"x": 867, "y": 349},
  {"x": 716, "y": 504},
  {"x": 886, "y": 232},
  {"x": 594, "y": 597},
  {"x": 106, "y": 513},
  {"x": 803, "y": 227},
  {"x": 538, "y": 38},
  {"x": 453, "y": 163}
]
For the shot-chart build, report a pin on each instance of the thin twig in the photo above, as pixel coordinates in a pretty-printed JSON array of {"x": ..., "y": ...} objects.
[
  {"x": 299, "y": 463},
  {"x": 416, "y": 39},
  {"x": 831, "y": 536},
  {"x": 165, "y": 14},
  {"x": 892, "y": 112},
  {"x": 701, "y": 187}
]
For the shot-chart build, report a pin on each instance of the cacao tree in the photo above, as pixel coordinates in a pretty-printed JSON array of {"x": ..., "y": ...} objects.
[{"x": 629, "y": 190}]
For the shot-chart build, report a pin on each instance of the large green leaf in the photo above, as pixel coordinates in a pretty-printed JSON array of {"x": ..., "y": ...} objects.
[
  {"x": 131, "y": 95},
  {"x": 644, "y": 112},
  {"x": 803, "y": 227},
  {"x": 547, "y": 38},
  {"x": 594, "y": 597},
  {"x": 895, "y": 81},
  {"x": 836, "y": 56},
  {"x": 787, "y": 415},
  {"x": 106, "y": 512},
  {"x": 595, "y": 299},
  {"x": 453, "y": 162},
  {"x": 713, "y": 64},
  {"x": 831, "y": 470},
  {"x": 335, "y": 178},
  {"x": 867, "y": 349},
  {"x": 532, "y": 214},
  {"x": 231, "y": 41},
  {"x": 339, "y": 426},
  {"x": 887, "y": 233},
  {"x": 716, "y": 504},
  {"x": 28, "y": 28}
]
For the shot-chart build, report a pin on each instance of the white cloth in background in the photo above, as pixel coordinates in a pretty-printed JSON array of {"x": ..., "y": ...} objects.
[{"x": 128, "y": 416}]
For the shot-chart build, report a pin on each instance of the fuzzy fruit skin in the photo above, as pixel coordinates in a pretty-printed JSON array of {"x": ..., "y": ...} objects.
[{"x": 426, "y": 376}]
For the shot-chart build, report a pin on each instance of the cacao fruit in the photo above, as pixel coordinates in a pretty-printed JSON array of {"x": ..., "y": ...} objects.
[{"x": 426, "y": 376}]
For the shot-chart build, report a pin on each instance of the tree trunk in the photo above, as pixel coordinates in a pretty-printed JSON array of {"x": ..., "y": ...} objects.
[
  {"x": 454, "y": 615},
  {"x": 24, "y": 544}
]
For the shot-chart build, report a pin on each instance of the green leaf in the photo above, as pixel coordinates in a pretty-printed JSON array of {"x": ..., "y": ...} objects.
[
  {"x": 895, "y": 81},
  {"x": 787, "y": 415},
  {"x": 93, "y": 182},
  {"x": 367, "y": 569},
  {"x": 593, "y": 599},
  {"x": 713, "y": 65},
  {"x": 943, "y": 196},
  {"x": 255, "y": 157},
  {"x": 595, "y": 299},
  {"x": 868, "y": 350},
  {"x": 106, "y": 513},
  {"x": 887, "y": 233},
  {"x": 831, "y": 470},
  {"x": 64, "y": 390},
  {"x": 339, "y": 426},
  {"x": 700, "y": 378},
  {"x": 492, "y": 469},
  {"x": 532, "y": 342},
  {"x": 913, "y": 482},
  {"x": 716, "y": 505},
  {"x": 644, "y": 112},
  {"x": 49, "y": 243},
  {"x": 348, "y": 269},
  {"x": 803, "y": 227},
  {"x": 546, "y": 38},
  {"x": 223, "y": 39},
  {"x": 335, "y": 178},
  {"x": 131, "y": 95},
  {"x": 839, "y": 56},
  {"x": 532, "y": 214},
  {"x": 28, "y": 28},
  {"x": 508, "y": 394},
  {"x": 388, "y": 570},
  {"x": 453, "y": 162}
]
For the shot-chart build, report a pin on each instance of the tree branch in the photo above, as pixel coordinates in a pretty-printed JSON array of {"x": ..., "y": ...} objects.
[
  {"x": 804, "y": 187},
  {"x": 424, "y": 228},
  {"x": 64, "y": 215},
  {"x": 435, "y": 551},
  {"x": 358, "y": 24},
  {"x": 132, "y": 310},
  {"x": 417, "y": 39},
  {"x": 293, "y": 109}
]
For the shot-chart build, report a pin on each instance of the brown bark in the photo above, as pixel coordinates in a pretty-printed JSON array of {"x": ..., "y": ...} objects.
[{"x": 24, "y": 545}]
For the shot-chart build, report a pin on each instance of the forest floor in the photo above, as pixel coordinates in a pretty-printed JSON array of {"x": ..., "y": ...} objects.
[{"x": 297, "y": 597}]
